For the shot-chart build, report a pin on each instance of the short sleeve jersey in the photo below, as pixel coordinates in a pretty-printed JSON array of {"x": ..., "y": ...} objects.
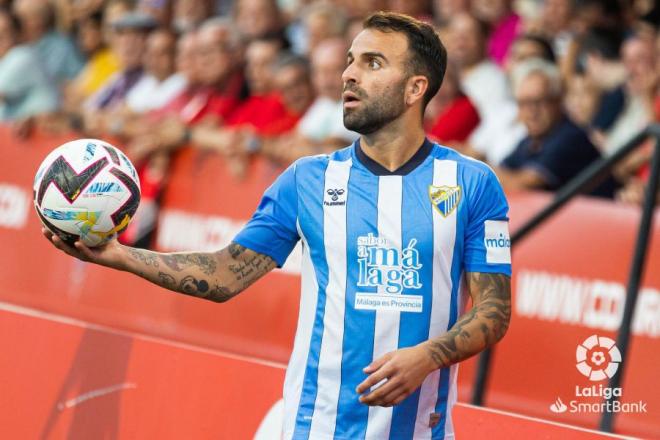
[{"x": 384, "y": 255}]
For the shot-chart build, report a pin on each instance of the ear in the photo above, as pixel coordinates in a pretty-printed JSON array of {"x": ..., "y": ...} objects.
[{"x": 416, "y": 89}]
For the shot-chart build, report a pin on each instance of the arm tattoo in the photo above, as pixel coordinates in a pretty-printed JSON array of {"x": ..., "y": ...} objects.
[
  {"x": 229, "y": 272},
  {"x": 205, "y": 262},
  {"x": 147, "y": 257},
  {"x": 484, "y": 325}
]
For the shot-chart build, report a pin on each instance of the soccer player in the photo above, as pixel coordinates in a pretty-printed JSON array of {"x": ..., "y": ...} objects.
[{"x": 394, "y": 229}]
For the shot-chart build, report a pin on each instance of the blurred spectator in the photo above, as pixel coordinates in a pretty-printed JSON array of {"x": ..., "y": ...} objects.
[
  {"x": 504, "y": 23},
  {"x": 210, "y": 99},
  {"x": 161, "y": 83},
  {"x": 555, "y": 149},
  {"x": 581, "y": 100},
  {"x": 321, "y": 128},
  {"x": 320, "y": 22},
  {"x": 258, "y": 18},
  {"x": 57, "y": 51},
  {"x": 555, "y": 23},
  {"x": 101, "y": 64},
  {"x": 445, "y": 10},
  {"x": 636, "y": 97},
  {"x": 487, "y": 87},
  {"x": 131, "y": 32},
  {"x": 189, "y": 14},
  {"x": 25, "y": 89},
  {"x": 451, "y": 115},
  {"x": 527, "y": 46}
]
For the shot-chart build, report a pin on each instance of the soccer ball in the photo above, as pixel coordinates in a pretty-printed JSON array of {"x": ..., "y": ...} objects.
[{"x": 86, "y": 189}]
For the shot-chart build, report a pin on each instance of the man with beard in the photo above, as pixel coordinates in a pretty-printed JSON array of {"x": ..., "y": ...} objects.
[{"x": 392, "y": 228}]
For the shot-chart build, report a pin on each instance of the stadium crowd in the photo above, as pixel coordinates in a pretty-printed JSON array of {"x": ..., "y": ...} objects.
[{"x": 537, "y": 88}]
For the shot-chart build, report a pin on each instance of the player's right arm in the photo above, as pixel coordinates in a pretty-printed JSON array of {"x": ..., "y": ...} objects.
[{"x": 216, "y": 276}]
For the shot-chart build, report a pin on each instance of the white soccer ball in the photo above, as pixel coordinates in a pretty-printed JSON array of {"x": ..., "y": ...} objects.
[{"x": 86, "y": 189}]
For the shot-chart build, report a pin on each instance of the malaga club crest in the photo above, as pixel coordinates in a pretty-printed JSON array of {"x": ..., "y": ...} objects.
[{"x": 445, "y": 198}]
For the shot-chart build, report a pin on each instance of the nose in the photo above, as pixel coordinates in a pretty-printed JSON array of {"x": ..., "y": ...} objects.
[{"x": 349, "y": 74}]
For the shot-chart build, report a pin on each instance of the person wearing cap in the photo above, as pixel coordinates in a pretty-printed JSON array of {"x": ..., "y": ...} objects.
[{"x": 129, "y": 44}]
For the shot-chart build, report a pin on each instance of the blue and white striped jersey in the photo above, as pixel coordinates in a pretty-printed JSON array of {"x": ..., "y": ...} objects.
[{"x": 383, "y": 258}]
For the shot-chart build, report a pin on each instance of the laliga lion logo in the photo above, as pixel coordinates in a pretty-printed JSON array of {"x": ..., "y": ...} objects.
[{"x": 597, "y": 358}]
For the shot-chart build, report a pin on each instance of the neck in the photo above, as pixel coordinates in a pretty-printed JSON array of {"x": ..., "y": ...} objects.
[{"x": 394, "y": 144}]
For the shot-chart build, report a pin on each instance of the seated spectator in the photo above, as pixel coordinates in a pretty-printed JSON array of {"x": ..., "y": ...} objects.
[
  {"x": 636, "y": 95},
  {"x": 527, "y": 46},
  {"x": 188, "y": 15},
  {"x": 57, "y": 51},
  {"x": 581, "y": 100},
  {"x": 452, "y": 117},
  {"x": 487, "y": 87},
  {"x": 25, "y": 89},
  {"x": 101, "y": 62},
  {"x": 258, "y": 18},
  {"x": 161, "y": 83},
  {"x": 505, "y": 25},
  {"x": 322, "y": 21},
  {"x": 131, "y": 31},
  {"x": 321, "y": 129},
  {"x": 555, "y": 149},
  {"x": 209, "y": 99}
]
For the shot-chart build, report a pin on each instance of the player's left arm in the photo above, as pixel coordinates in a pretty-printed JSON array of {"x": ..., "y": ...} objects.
[{"x": 482, "y": 326}]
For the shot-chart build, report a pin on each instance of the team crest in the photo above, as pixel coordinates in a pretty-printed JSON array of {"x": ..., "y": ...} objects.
[{"x": 445, "y": 198}]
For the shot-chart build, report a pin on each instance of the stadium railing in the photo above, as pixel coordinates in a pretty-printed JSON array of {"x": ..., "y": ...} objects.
[{"x": 588, "y": 179}]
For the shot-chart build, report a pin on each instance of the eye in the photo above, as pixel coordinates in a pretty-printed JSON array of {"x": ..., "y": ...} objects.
[{"x": 374, "y": 64}]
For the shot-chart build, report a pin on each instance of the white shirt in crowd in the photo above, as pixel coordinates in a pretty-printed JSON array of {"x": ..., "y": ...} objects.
[
  {"x": 150, "y": 94},
  {"x": 499, "y": 131},
  {"x": 325, "y": 119}
]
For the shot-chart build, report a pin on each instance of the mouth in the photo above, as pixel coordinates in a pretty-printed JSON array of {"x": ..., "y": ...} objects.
[{"x": 350, "y": 100}]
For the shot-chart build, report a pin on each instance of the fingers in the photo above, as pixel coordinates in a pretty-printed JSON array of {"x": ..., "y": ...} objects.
[
  {"x": 373, "y": 379},
  {"x": 391, "y": 393},
  {"x": 375, "y": 365},
  {"x": 61, "y": 245}
]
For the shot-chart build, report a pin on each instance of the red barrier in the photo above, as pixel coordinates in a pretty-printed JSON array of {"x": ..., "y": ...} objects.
[
  {"x": 68, "y": 379},
  {"x": 568, "y": 284}
]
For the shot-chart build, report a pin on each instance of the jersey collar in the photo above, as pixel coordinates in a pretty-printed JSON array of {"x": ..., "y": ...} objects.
[{"x": 422, "y": 153}]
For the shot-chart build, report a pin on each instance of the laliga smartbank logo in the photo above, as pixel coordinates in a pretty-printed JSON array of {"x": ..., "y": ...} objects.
[{"x": 597, "y": 358}]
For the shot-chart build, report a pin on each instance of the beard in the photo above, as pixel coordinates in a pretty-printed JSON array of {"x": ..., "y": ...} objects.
[{"x": 373, "y": 114}]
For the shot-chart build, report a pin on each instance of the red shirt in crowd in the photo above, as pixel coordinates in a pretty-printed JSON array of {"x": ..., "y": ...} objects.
[
  {"x": 456, "y": 122},
  {"x": 266, "y": 114},
  {"x": 198, "y": 103}
]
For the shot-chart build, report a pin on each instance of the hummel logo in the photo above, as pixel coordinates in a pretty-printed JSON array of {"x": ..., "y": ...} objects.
[{"x": 334, "y": 194}]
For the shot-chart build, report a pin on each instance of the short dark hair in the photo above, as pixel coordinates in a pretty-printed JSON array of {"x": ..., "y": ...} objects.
[
  {"x": 542, "y": 42},
  {"x": 428, "y": 56}
]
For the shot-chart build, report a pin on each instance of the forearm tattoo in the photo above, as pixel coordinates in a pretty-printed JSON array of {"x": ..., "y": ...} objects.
[
  {"x": 482, "y": 326},
  {"x": 214, "y": 276}
]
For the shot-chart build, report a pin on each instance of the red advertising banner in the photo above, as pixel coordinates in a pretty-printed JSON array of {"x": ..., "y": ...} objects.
[{"x": 569, "y": 284}]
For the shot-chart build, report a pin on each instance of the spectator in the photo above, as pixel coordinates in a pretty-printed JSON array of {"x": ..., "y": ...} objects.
[
  {"x": 445, "y": 10},
  {"x": 210, "y": 99},
  {"x": 101, "y": 64},
  {"x": 581, "y": 100},
  {"x": 322, "y": 21},
  {"x": 420, "y": 9},
  {"x": 555, "y": 23},
  {"x": 505, "y": 25},
  {"x": 527, "y": 46},
  {"x": 258, "y": 18},
  {"x": 555, "y": 149},
  {"x": 187, "y": 15},
  {"x": 637, "y": 93},
  {"x": 487, "y": 87},
  {"x": 161, "y": 83},
  {"x": 58, "y": 53},
  {"x": 25, "y": 89},
  {"x": 451, "y": 113},
  {"x": 322, "y": 126},
  {"x": 131, "y": 32}
]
